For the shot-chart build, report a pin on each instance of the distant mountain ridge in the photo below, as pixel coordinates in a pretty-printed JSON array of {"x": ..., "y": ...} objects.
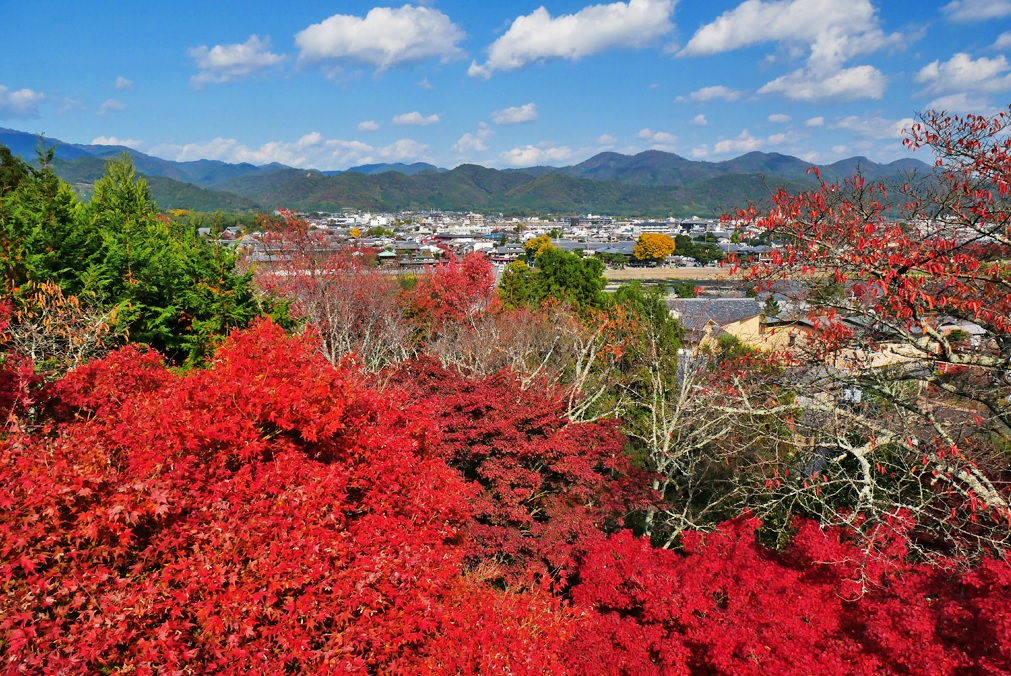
[
  {"x": 399, "y": 167},
  {"x": 655, "y": 167},
  {"x": 203, "y": 173},
  {"x": 189, "y": 185},
  {"x": 651, "y": 183}
]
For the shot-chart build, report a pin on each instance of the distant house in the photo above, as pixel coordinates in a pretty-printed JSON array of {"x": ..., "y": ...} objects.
[
  {"x": 386, "y": 258},
  {"x": 682, "y": 261},
  {"x": 752, "y": 254},
  {"x": 656, "y": 227},
  {"x": 973, "y": 332},
  {"x": 507, "y": 253},
  {"x": 785, "y": 331},
  {"x": 890, "y": 346},
  {"x": 616, "y": 249},
  {"x": 405, "y": 248},
  {"x": 705, "y": 319}
]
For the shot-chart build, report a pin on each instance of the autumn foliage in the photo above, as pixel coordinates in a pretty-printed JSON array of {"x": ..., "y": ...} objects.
[
  {"x": 727, "y": 605},
  {"x": 299, "y": 506},
  {"x": 277, "y": 514},
  {"x": 890, "y": 279},
  {"x": 545, "y": 488},
  {"x": 270, "y": 513},
  {"x": 455, "y": 293},
  {"x": 653, "y": 247}
]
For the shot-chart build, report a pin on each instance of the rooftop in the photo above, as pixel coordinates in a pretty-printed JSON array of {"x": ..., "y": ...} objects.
[{"x": 695, "y": 313}]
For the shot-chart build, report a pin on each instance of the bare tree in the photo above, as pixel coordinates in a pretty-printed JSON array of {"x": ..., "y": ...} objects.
[
  {"x": 337, "y": 290},
  {"x": 547, "y": 347},
  {"x": 57, "y": 332},
  {"x": 896, "y": 387}
]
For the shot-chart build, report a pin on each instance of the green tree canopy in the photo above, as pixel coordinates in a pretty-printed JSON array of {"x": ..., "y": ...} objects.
[
  {"x": 700, "y": 251},
  {"x": 568, "y": 277},
  {"x": 170, "y": 288},
  {"x": 649, "y": 306},
  {"x": 517, "y": 286},
  {"x": 12, "y": 170},
  {"x": 561, "y": 275},
  {"x": 39, "y": 238}
]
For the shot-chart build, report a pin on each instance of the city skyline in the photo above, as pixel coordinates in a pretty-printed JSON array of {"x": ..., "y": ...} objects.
[{"x": 329, "y": 86}]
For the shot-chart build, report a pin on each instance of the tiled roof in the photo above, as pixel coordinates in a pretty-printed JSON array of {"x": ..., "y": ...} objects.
[{"x": 695, "y": 313}]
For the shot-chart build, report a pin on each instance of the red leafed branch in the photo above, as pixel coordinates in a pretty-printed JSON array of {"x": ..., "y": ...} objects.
[
  {"x": 545, "y": 487},
  {"x": 457, "y": 292},
  {"x": 901, "y": 347}
]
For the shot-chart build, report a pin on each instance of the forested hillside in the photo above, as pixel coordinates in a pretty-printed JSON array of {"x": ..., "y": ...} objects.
[
  {"x": 473, "y": 188},
  {"x": 651, "y": 183}
]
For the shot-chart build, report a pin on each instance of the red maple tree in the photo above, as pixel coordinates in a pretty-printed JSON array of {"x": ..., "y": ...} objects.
[
  {"x": 544, "y": 486},
  {"x": 900, "y": 358},
  {"x": 455, "y": 293}
]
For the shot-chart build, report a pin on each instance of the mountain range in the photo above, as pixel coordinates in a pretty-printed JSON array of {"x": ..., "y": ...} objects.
[{"x": 651, "y": 183}]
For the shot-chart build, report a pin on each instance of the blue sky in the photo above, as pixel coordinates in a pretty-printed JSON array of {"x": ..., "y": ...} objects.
[{"x": 330, "y": 85}]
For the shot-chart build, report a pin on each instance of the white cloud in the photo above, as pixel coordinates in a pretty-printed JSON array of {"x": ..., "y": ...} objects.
[
  {"x": 961, "y": 103},
  {"x": 532, "y": 155},
  {"x": 700, "y": 120},
  {"x": 23, "y": 103},
  {"x": 658, "y": 140},
  {"x": 828, "y": 31},
  {"x": 848, "y": 84},
  {"x": 476, "y": 142},
  {"x": 310, "y": 151},
  {"x": 961, "y": 74},
  {"x": 223, "y": 63},
  {"x": 368, "y": 125},
  {"x": 123, "y": 83},
  {"x": 833, "y": 31},
  {"x": 109, "y": 106},
  {"x": 715, "y": 93},
  {"x": 606, "y": 140},
  {"x": 515, "y": 115},
  {"x": 743, "y": 143},
  {"x": 977, "y": 10},
  {"x": 818, "y": 121},
  {"x": 113, "y": 141},
  {"x": 66, "y": 105},
  {"x": 538, "y": 36},
  {"x": 403, "y": 150},
  {"x": 424, "y": 83},
  {"x": 877, "y": 128},
  {"x": 415, "y": 119},
  {"x": 384, "y": 38},
  {"x": 779, "y": 118},
  {"x": 1003, "y": 41},
  {"x": 963, "y": 85}
]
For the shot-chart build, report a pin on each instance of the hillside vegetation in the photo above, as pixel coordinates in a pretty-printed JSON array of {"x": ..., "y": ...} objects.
[{"x": 651, "y": 183}]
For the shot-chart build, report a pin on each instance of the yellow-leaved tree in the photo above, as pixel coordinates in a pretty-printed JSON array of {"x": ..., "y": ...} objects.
[
  {"x": 653, "y": 247},
  {"x": 537, "y": 245}
]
